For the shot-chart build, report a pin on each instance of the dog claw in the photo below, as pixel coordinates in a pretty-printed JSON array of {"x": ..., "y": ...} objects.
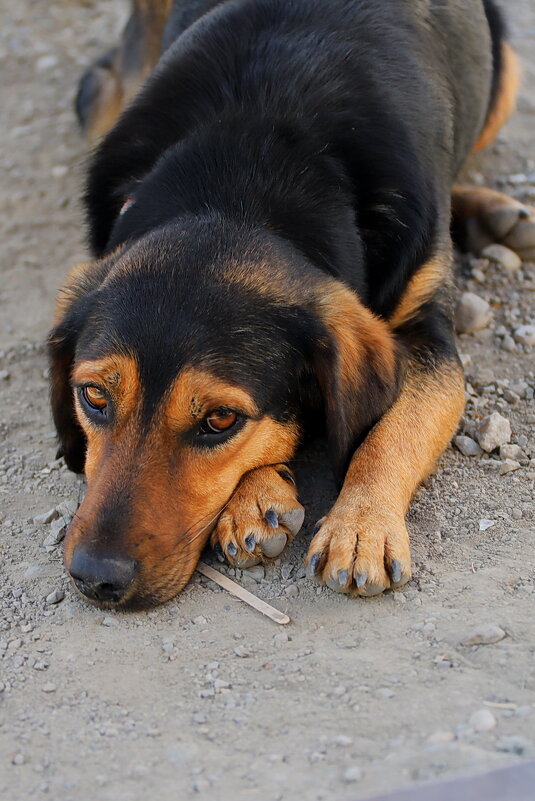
[
  {"x": 293, "y": 520},
  {"x": 250, "y": 543},
  {"x": 218, "y": 550},
  {"x": 274, "y": 545},
  {"x": 232, "y": 549},
  {"x": 313, "y": 565},
  {"x": 287, "y": 476},
  {"x": 271, "y": 518},
  {"x": 342, "y": 577},
  {"x": 395, "y": 572},
  {"x": 361, "y": 580}
]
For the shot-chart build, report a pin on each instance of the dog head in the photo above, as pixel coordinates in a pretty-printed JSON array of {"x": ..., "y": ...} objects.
[{"x": 181, "y": 362}]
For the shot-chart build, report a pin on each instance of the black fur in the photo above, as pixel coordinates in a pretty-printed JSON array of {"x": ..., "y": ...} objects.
[{"x": 329, "y": 131}]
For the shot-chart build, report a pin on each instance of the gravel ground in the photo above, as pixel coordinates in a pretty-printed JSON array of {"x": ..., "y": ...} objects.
[{"x": 203, "y": 695}]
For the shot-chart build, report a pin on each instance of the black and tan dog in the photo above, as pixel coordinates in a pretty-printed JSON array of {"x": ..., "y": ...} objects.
[{"x": 270, "y": 221}]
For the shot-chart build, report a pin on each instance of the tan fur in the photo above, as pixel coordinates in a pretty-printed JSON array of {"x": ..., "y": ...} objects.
[
  {"x": 120, "y": 83},
  {"x": 258, "y": 491},
  {"x": 358, "y": 333},
  {"x": 365, "y": 530},
  {"x": 505, "y": 101},
  {"x": 175, "y": 491},
  {"x": 421, "y": 288}
]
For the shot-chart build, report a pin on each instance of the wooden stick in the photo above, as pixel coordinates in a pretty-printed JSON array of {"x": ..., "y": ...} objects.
[{"x": 242, "y": 594}]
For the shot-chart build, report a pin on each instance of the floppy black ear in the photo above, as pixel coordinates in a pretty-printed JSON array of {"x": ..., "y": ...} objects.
[
  {"x": 71, "y": 438},
  {"x": 358, "y": 369}
]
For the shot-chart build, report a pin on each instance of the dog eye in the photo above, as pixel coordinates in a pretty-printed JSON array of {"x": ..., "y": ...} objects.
[
  {"x": 218, "y": 421},
  {"x": 95, "y": 398}
]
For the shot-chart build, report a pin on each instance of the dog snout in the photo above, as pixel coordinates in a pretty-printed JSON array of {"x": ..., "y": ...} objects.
[{"x": 104, "y": 578}]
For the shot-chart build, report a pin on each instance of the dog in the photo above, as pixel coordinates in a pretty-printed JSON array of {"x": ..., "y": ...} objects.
[{"x": 269, "y": 200}]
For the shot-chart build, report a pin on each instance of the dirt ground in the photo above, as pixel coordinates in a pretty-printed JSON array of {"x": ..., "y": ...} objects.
[{"x": 204, "y": 695}]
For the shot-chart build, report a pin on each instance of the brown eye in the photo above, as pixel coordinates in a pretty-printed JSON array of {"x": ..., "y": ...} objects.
[
  {"x": 95, "y": 398},
  {"x": 220, "y": 420}
]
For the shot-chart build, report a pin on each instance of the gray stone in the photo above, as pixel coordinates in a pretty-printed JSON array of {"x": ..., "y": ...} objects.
[
  {"x": 525, "y": 335},
  {"x": 486, "y": 634},
  {"x": 503, "y": 257},
  {"x": 242, "y": 651},
  {"x": 467, "y": 446},
  {"x": 472, "y": 313},
  {"x": 58, "y": 529},
  {"x": 515, "y": 744},
  {"x": 508, "y": 343},
  {"x": 509, "y": 466},
  {"x": 493, "y": 431},
  {"x": 256, "y": 573},
  {"x": 55, "y": 597},
  {"x": 46, "y": 517}
]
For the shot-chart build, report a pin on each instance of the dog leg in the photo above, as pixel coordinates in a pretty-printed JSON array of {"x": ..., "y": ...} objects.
[
  {"x": 115, "y": 78},
  {"x": 362, "y": 545},
  {"x": 483, "y": 216},
  {"x": 260, "y": 519}
]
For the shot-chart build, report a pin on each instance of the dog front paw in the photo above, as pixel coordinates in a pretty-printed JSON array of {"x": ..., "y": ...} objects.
[
  {"x": 261, "y": 518},
  {"x": 362, "y": 553}
]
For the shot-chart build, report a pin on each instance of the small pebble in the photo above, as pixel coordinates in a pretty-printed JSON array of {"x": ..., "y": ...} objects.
[
  {"x": 493, "y": 431},
  {"x": 55, "y": 597},
  {"x": 467, "y": 446},
  {"x": 509, "y": 466},
  {"x": 515, "y": 744},
  {"x": 441, "y": 737},
  {"x": 49, "y": 688},
  {"x": 242, "y": 651},
  {"x": 352, "y": 774},
  {"x": 257, "y": 573},
  {"x": 485, "y": 524},
  {"x": 343, "y": 741},
  {"x": 486, "y": 634},
  {"x": 513, "y": 452},
  {"x": 472, "y": 313},
  {"x": 525, "y": 335},
  {"x": 482, "y": 720},
  {"x": 46, "y": 517},
  {"x": 503, "y": 257}
]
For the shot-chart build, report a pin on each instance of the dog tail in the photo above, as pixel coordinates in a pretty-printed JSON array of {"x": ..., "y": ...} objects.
[{"x": 505, "y": 77}]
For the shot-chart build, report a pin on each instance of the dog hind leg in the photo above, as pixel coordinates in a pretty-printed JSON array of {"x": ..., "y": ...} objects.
[{"x": 115, "y": 78}]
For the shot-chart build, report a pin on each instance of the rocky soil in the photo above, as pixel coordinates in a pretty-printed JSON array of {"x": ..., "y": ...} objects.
[{"x": 204, "y": 695}]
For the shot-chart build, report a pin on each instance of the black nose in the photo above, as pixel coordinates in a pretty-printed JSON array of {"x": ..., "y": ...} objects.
[{"x": 102, "y": 578}]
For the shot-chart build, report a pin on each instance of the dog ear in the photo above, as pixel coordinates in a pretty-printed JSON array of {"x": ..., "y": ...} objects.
[
  {"x": 71, "y": 438},
  {"x": 72, "y": 307},
  {"x": 357, "y": 367}
]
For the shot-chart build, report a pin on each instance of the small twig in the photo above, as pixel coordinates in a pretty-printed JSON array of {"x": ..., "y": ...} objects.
[
  {"x": 242, "y": 594},
  {"x": 503, "y": 705}
]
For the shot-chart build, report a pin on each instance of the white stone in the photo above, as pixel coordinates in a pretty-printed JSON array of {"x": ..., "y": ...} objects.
[
  {"x": 472, "y": 313},
  {"x": 493, "y": 431},
  {"x": 525, "y": 335},
  {"x": 482, "y": 720},
  {"x": 485, "y": 524},
  {"x": 504, "y": 257}
]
